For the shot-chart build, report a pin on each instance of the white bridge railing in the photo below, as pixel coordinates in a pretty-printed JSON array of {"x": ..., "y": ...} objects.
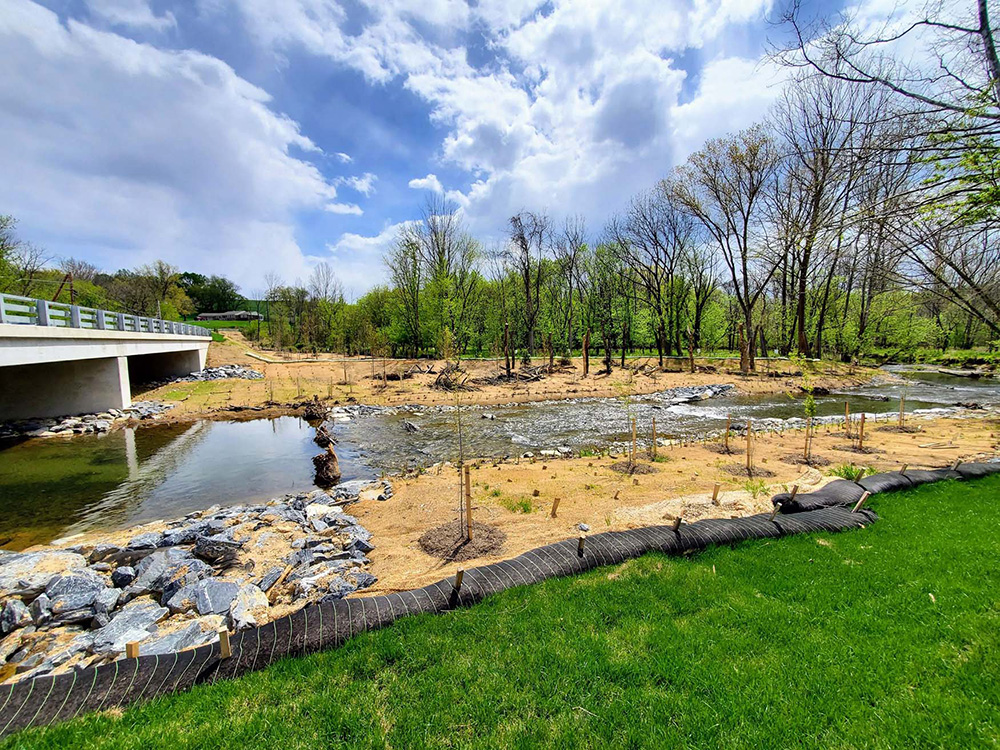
[{"x": 40, "y": 312}]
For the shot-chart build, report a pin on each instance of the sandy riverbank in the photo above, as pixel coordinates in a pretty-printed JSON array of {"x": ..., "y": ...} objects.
[
  {"x": 359, "y": 380},
  {"x": 591, "y": 492}
]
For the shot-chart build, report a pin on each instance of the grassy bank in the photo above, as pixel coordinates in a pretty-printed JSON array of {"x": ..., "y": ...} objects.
[{"x": 887, "y": 637}]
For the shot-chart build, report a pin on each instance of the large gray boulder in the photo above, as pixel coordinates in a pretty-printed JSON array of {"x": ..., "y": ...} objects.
[
  {"x": 15, "y": 615},
  {"x": 28, "y": 573},
  {"x": 197, "y": 633},
  {"x": 208, "y": 597},
  {"x": 134, "y": 622},
  {"x": 75, "y": 591},
  {"x": 249, "y": 608}
]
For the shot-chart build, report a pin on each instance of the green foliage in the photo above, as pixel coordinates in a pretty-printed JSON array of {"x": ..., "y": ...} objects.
[{"x": 850, "y": 471}]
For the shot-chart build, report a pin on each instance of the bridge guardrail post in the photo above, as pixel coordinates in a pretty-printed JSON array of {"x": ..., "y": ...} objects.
[
  {"x": 3, "y": 315},
  {"x": 74, "y": 317},
  {"x": 42, "y": 308},
  {"x": 101, "y": 322}
]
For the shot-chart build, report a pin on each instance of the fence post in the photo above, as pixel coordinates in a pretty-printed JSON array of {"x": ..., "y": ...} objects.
[
  {"x": 3, "y": 315},
  {"x": 42, "y": 306},
  {"x": 74, "y": 317},
  {"x": 102, "y": 323}
]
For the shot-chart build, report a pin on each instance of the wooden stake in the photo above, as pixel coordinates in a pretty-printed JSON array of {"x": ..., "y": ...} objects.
[
  {"x": 225, "y": 650},
  {"x": 468, "y": 503},
  {"x": 654, "y": 438},
  {"x": 458, "y": 579},
  {"x": 861, "y": 502},
  {"x": 579, "y": 546},
  {"x": 633, "y": 441},
  {"x": 677, "y": 523},
  {"x": 805, "y": 453},
  {"x": 749, "y": 458},
  {"x": 132, "y": 650},
  {"x": 861, "y": 433},
  {"x": 777, "y": 507},
  {"x": 795, "y": 490},
  {"x": 903, "y": 469},
  {"x": 729, "y": 420},
  {"x": 847, "y": 418},
  {"x": 902, "y": 403},
  {"x": 955, "y": 465},
  {"x": 715, "y": 493},
  {"x": 555, "y": 507}
]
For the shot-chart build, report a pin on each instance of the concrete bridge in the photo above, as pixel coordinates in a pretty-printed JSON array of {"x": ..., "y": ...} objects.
[{"x": 58, "y": 359}]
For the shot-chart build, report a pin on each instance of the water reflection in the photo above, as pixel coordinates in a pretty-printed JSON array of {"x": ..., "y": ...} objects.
[{"x": 52, "y": 488}]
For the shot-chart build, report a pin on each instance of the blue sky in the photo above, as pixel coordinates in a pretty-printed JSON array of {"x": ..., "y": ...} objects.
[{"x": 250, "y": 136}]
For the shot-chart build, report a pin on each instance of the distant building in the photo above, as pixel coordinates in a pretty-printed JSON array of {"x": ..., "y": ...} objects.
[{"x": 231, "y": 315}]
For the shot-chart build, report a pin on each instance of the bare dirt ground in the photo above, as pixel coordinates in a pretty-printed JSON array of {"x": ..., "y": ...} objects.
[
  {"x": 590, "y": 492},
  {"x": 360, "y": 380}
]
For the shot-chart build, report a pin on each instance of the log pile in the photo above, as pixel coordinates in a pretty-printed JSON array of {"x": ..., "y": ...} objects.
[{"x": 453, "y": 378}]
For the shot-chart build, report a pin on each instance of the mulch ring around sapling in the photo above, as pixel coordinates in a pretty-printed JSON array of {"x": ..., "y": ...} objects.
[
  {"x": 855, "y": 449},
  {"x": 632, "y": 467},
  {"x": 732, "y": 450},
  {"x": 740, "y": 470},
  {"x": 449, "y": 542},
  {"x": 799, "y": 460}
]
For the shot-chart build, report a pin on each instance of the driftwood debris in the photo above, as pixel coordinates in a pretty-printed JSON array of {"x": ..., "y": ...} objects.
[
  {"x": 323, "y": 437},
  {"x": 453, "y": 378},
  {"x": 327, "y": 468}
]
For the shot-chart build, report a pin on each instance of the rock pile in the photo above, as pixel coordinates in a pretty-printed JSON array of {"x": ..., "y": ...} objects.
[
  {"x": 176, "y": 584},
  {"x": 83, "y": 424},
  {"x": 221, "y": 373}
]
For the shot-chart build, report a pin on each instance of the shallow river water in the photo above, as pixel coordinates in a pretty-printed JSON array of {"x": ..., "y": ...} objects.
[{"x": 56, "y": 487}]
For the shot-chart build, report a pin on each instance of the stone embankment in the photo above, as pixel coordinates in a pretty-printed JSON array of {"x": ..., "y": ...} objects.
[
  {"x": 84, "y": 424},
  {"x": 177, "y": 583}
]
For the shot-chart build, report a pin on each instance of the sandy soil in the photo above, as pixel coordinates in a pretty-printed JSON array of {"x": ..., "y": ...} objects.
[
  {"x": 591, "y": 493},
  {"x": 350, "y": 380}
]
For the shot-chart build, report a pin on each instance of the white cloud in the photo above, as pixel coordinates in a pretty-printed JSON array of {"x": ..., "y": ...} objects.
[
  {"x": 349, "y": 209},
  {"x": 357, "y": 259},
  {"x": 131, "y": 13},
  {"x": 126, "y": 152},
  {"x": 365, "y": 184},
  {"x": 430, "y": 182},
  {"x": 577, "y": 108},
  {"x": 344, "y": 158}
]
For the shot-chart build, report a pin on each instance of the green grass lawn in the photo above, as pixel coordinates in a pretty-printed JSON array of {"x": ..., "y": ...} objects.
[{"x": 887, "y": 637}]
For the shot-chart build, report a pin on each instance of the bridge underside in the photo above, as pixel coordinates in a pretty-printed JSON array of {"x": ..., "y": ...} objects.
[{"x": 52, "y": 375}]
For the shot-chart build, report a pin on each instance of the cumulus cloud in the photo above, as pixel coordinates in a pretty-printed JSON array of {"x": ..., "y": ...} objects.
[
  {"x": 365, "y": 184},
  {"x": 135, "y": 14},
  {"x": 126, "y": 152},
  {"x": 349, "y": 209},
  {"x": 357, "y": 259},
  {"x": 575, "y": 107},
  {"x": 430, "y": 182},
  {"x": 344, "y": 158}
]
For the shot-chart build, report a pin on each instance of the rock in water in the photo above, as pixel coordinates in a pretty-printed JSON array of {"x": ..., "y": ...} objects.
[
  {"x": 315, "y": 411},
  {"x": 323, "y": 437},
  {"x": 327, "y": 468},
  {"x": 410, "y": 426}
]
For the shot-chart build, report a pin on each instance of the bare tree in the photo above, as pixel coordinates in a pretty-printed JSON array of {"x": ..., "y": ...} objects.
[
  {"x": 724, "y": 187},
  {"x": 529, "y": 245}
]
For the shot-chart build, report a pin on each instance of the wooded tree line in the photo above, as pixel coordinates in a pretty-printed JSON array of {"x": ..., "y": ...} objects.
[{"x": 859, "y": 216}]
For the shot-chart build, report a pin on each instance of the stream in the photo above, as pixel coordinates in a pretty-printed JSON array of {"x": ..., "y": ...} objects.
[{"x": 52, "y": 488}]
